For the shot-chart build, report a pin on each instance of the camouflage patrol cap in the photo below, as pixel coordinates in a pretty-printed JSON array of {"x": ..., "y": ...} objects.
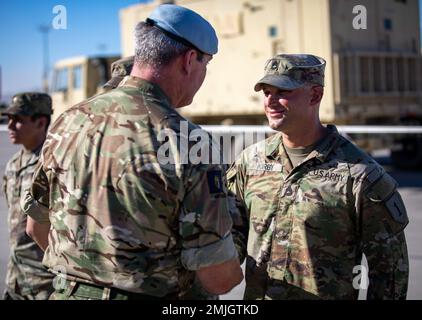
[
  {"x": 29, "y": 104},
  {"x": 119, "y": 69},
  {"x": 292, "y": 71}
]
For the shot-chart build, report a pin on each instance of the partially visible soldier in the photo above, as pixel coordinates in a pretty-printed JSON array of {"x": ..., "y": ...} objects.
[
  {"x": 119, "y": 69},
  {"x": 315, "y": 202},
  {"x": 126, "y": 224},
  {"x": 29, "y": 117}
]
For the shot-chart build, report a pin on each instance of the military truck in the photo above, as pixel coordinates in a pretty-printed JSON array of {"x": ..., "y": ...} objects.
[
  {"x": 372, "y": 49},
  {"x": 78, "y": 78},
  {"x": 3, "y": 119},
  {"x": 373, "y": 73}
]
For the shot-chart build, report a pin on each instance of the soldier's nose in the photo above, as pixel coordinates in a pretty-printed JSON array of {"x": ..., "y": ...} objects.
[{"x": 11, "y": 124}]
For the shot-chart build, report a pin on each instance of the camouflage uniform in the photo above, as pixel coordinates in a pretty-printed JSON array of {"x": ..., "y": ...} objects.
[
  {"x": 120, "y": 69},
  {"x": 120, "y": 218},
  {"x": 27, "y": 278},
  {"x": 309, "y": 225}
]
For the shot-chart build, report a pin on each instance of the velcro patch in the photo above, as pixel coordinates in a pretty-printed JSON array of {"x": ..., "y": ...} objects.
[
  {"x": 381, "y": 189},
  {"x": 215, "y": 182},
  {"x": 384, "y": 191}
]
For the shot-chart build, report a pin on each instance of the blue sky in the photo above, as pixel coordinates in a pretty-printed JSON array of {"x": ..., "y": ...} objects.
[{"x": 90, "y": 24}]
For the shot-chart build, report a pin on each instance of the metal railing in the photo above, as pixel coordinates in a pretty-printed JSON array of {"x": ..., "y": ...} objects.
[{"x": 342, "y": 129}]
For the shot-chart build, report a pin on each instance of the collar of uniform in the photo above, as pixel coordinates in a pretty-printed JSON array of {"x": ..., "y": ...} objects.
[
  {"x": 38, "y": 149},
  {"x": 30, "y": 153},
  {"x": 272, "y": 146},
  {"x": 24, "y": 158},
  {"x": 147, "y": 87},
  {"x": 322, "y": 150}
]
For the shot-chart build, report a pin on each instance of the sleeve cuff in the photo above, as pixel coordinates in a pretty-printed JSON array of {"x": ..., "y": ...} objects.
[
  {"x": 34, "y": 209},
  {"x": 215, "y": 253}
]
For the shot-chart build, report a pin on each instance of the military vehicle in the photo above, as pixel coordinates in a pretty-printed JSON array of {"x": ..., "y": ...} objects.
[
  {"x": 372, "y": 49},
  {"x": 78, "y": 78},
  {"x": 3, "y": 105},
  {"x": 3, "y": 119}
]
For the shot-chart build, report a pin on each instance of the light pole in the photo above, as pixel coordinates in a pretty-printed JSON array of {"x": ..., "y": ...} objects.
[
  {"x": 45, "y": 29},
  {"x": 102, "y": 48},
  {"x": 0, "y": 85}
]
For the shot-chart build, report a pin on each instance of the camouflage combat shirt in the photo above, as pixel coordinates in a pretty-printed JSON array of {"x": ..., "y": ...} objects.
[
  {"x": 309, "y": 225},
  {"x": 120, "y": 217},
  {"x": 27, "y": 278}
]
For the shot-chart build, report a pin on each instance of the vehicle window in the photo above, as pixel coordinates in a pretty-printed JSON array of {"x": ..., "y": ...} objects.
[
  {"x": 60, "y": 80},
  {"x": 77, "y": 77}
]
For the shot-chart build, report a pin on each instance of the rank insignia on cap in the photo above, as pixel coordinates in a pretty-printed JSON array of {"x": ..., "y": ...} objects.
[{"x": 274, "y": 65}]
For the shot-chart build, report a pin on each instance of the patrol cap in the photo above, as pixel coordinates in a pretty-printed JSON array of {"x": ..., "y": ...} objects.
[
  {"x": 185, "y": 26},
  {"x": 29, "y": 104},
  {"x": 119, "y": 69},
  {"x": 292, "y": 71}
]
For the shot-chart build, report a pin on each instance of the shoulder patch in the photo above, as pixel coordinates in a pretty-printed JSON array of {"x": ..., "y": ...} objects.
[
  {"x": 397, "y": 209},
  {"x": 215, "y": 182},
  {"x": 381, "y": 189},
  {"x": 384, "y": 191}
]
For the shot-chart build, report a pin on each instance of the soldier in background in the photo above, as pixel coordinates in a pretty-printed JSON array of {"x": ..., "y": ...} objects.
[
  {"x": 315, "y": 202},
  {"x": 119, "y": 69},
  {"x": 124, "y": 223},
  {"x": 29, "y": 117}
]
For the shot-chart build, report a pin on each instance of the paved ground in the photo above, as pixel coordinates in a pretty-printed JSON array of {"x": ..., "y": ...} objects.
[
  {"x": 6, "y": 151},
  {"x": 411, "y": 190}
]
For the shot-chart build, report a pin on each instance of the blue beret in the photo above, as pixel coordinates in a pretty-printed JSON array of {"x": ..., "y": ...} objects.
[{"x": 185, "y": 26}]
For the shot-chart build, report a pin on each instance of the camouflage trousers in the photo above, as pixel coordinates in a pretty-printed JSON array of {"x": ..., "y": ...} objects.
[
  {"x": 42, "y": 293},
  {"x": 277, "y": 290},
  {"x": 40, "y": 296},
  {"x": 73, "y": 290}
]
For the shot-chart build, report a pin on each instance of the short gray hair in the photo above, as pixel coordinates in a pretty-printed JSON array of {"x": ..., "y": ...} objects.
[{"x": 154, "y": 48}]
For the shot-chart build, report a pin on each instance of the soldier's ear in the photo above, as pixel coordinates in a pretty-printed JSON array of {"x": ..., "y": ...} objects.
[
  {"x": 316, "y": 95},
  {"x": 188, "y": 61},
  {"x": 41, "y": 122}
]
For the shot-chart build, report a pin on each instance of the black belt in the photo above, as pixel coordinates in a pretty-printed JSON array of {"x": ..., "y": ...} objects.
[{"x": 92, "y": 291}]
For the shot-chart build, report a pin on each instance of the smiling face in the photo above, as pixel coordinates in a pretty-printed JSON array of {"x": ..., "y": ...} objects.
[{"x": 286, "y": 110}]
